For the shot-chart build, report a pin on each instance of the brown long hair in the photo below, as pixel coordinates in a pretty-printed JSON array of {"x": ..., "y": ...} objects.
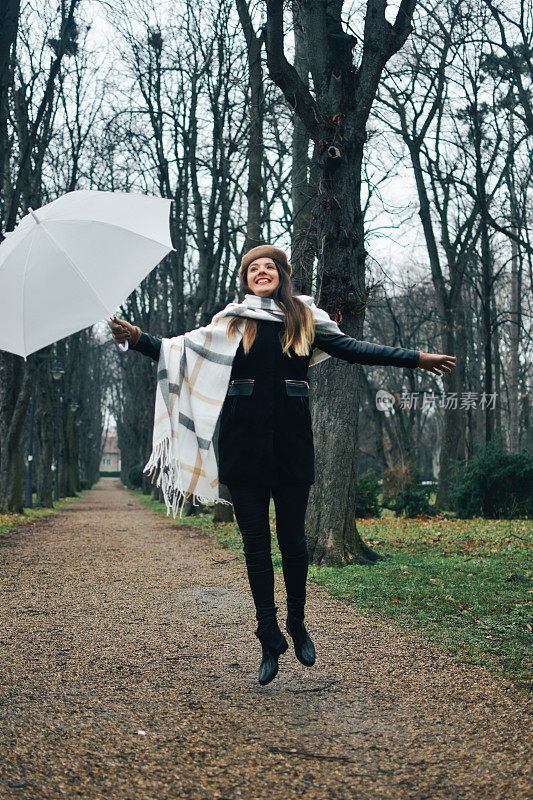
[{"x": 299, "y": 324}]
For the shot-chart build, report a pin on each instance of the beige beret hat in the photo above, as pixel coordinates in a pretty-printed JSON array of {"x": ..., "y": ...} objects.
[{"x": 265, "y": 250}]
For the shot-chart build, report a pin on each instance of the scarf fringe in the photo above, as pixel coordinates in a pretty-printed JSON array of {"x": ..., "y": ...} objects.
[{"x": 168, "y": 478}]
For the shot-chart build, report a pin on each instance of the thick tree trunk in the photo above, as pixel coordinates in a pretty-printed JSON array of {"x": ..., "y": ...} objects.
[
  {"x": 16, "y": 385},
  {"x": 331, "y": 527},
  {"x": 335, "y": 117},
  {"x": 330, "y": 524}
]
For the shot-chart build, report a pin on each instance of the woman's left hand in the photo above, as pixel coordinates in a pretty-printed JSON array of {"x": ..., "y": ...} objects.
[
  {"x": 124, "y": 331},
  {"x": 436, "y": 362}
]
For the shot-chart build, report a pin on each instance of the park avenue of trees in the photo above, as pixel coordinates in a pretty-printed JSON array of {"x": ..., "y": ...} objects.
[{"x": 388, "y": 149}]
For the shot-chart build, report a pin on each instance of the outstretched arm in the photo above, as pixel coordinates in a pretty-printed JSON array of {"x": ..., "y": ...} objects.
[
  {"x": 357, "y": 352},
  {"x": 124, "y": 331}
]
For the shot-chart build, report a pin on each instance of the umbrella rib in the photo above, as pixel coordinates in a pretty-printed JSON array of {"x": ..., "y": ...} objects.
[{"x": 80, "y": 274}]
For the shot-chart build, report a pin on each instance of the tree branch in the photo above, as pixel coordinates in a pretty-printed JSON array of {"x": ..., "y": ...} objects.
[{"x": 284, "y": 75}]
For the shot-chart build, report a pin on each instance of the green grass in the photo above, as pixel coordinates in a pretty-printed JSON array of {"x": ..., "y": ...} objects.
[
  {"x": 466, "y": 584},
  {"x": 10, "y": 521}
]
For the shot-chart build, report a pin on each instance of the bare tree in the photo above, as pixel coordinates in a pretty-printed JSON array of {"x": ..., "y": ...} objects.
[
  {"x": 515, "y": 26},
  {"x": 335, "y": 115},
  {"x": 22, "y": 182},
  {"x": 437, "y": 94},
  {"x": 9, "y": 21}
]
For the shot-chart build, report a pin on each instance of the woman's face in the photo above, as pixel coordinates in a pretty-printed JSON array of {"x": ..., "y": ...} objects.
[{"x": 262, "y": 276}]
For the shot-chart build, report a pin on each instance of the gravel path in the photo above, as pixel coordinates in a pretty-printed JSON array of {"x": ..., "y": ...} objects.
[{"x": 129, "y": 670}]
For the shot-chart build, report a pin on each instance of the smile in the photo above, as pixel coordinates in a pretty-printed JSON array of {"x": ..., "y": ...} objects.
[{"x": 263, "y": 280}]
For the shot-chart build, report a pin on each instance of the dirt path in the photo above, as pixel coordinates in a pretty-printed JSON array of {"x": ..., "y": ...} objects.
[{"x": 113, "y": 622}]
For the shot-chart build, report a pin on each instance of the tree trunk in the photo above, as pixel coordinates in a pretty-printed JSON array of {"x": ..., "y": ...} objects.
[
  {"x": 515, "y": 310},
  {"x": 453, "y": 446},
  {"x": 223, "y": 512},
  {"x": 71, "y": 448},
  {"x": 44, "y": 423},
  {"x": 514, "y": 340},
  {"x": 497, "y": 384},
  {"x": 335, "y": 117},
  {"x": 9, "y": 17},
  {"x": 379, "y": 420},
  {"x": 527, "y": 415},
  {"x": 302, "y": 245},
  {"x": 486, "y": 310},
  {"x": 331, "y": 527},
  {"x": 254, "y": 191},
  {"x": 63, "y": 445},
  {"x": 485, "y": 259},
  {"x": 16, "y": 385}
]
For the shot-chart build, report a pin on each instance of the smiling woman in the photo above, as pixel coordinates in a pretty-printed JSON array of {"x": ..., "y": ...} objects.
[
  {"x": 266, "y": 272},
  {"x": 250, "y": 365},
  {"x": 263, "y": 276}
]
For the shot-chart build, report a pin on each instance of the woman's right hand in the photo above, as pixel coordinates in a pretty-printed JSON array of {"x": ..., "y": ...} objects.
[{"x": 123, "y": 331}]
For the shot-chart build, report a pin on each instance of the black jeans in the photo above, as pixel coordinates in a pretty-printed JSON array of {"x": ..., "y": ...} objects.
[{"x": 251, "y": 510}]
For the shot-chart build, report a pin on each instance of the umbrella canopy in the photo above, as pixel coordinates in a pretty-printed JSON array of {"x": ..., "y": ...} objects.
[{"x": 74, "y": 261}]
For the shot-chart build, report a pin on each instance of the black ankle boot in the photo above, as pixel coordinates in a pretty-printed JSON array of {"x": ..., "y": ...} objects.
[
  {"x": 304, "y": 648},
  {"x": 273, "y": 644}
]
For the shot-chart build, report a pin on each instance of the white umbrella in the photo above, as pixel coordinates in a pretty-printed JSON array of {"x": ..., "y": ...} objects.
[{"x": 74, "y": 261}]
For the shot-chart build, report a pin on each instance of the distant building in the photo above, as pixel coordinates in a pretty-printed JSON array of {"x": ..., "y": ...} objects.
[{"x": 110, "y": 463}]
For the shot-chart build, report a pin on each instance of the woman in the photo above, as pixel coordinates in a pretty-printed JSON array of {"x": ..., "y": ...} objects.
[{"x": 262, "y": 349}]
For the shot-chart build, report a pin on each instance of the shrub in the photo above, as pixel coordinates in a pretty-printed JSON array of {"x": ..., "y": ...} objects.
[
  {"x": 493, "y": 484},
  {"x": 135, "y": 476},
  {"x": 366, "y": 498},
  {"x": 414, "y": 502}
]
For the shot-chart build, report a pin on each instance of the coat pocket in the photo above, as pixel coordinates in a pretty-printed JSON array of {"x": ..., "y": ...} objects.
[
  {"x": 297, "y": 388},
  {"x": 243, "y": 386}
]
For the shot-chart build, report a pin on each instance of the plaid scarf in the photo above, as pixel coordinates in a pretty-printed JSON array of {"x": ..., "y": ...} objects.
[{"x": 192, "y": 381}]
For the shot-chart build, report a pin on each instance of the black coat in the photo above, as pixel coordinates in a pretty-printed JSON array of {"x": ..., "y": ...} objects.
[{"x": 265, "y": 434}]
